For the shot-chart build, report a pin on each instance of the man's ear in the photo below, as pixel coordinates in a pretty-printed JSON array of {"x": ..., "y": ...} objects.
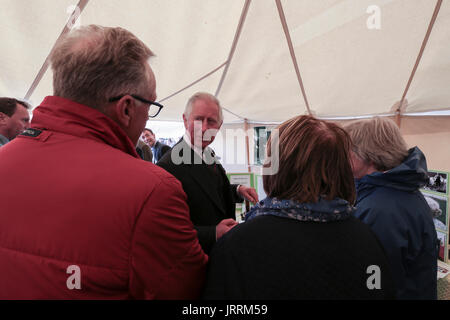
[
  {"x": 123, "y": 111},
  {"x": 3, "y": 118},
  {"x": 185, "y": 121}
]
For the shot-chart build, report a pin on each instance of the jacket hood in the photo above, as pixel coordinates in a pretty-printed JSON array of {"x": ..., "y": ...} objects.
[
  {"x": 65, "y": 116},
  {"x": 408, "y": 176}
]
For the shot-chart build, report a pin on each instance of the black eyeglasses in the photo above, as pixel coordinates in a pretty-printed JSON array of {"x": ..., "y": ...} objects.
[{"x": 152, "y": 112}]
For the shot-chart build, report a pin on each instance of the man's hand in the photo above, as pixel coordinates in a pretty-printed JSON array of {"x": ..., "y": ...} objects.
[
  {"x": 224, "y": 226},
  {"x": 248, "y": 193}
]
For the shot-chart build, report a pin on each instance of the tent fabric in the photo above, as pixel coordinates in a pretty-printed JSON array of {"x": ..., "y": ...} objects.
[
  {"x": 239, "y": 50},
  {"x": 430, "y": 133}
]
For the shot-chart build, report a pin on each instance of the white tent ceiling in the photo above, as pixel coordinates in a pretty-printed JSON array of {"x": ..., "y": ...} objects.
[{"x": 240, "y": 51}]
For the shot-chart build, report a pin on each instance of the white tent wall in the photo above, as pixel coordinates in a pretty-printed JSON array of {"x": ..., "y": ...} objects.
[
  {"x": 432, "y": 136},
  {"x": 430, "y": 133},
  {"x": 230, "y": 146},
  {"x": 352, "y": 57}
]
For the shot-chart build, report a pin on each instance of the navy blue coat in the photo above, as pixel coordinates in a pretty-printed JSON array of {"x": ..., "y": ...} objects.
[{"x": 392, "y": 205}]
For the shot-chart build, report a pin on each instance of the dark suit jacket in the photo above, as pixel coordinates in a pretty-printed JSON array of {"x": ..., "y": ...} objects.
[
  {"x": 160, "y": 149},
  {"x": 203, "y": 199}
]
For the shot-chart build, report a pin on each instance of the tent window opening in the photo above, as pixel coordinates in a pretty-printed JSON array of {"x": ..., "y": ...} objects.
[{"x": 261, "y": 135}]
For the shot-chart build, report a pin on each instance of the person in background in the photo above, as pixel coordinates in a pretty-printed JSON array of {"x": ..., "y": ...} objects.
[
  {"x": 95, "y": 222},
  {"x": 211, "y": 198},
  {"x": 388, "y": 178},
  {"x": 302, "y": 241},
  {"x": 158, "y": 148},
  {"x": 14, "y": 119}
]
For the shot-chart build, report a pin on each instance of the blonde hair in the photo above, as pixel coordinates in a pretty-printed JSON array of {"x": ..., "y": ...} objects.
[
  {"x": 378, "y": 141},
  {"x": 202, "y": 96},
  {"x": 93, "y": 64}
]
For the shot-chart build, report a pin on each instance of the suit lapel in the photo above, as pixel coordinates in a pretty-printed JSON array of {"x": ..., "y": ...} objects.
[{"x": 201, "y": 175}]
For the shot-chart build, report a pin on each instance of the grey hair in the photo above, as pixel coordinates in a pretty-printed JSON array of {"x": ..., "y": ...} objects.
[
  {"x": 93, "y": 64},
  {"x": 202, "y": 96},
  {"x": 378, "y": 141}
]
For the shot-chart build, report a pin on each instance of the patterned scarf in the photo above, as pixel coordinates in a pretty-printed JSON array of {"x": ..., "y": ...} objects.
[{"x": 321, "y": 211}]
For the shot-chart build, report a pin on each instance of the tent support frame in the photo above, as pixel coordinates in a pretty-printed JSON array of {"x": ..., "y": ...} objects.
[
  {"x": 398, "y": 112},
  {"x": 80, "y": 6},
  {"x": 292, "y": 52}
]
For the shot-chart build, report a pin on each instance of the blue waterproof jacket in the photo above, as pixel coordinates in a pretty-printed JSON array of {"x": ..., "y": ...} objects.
[{"x": 392, "y": 205}]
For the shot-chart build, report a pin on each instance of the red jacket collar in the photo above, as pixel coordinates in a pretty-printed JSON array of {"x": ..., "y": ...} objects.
[{"x": 63, "y": 115}]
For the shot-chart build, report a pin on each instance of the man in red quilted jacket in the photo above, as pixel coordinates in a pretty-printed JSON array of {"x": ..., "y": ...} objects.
[{"x": 81, "y": 216}]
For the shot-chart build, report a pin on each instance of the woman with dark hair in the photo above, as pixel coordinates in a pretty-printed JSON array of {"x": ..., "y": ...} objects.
[{"x": 302, "y": 241}]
